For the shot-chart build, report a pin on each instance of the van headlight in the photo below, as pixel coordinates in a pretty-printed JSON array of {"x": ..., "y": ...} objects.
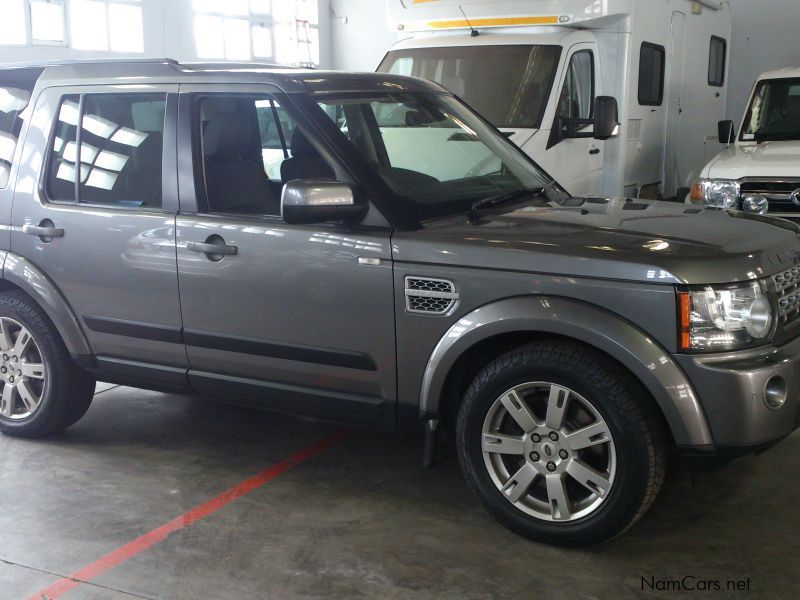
[
  {"x": 721, "y": 193},
  {"x": 724, "y": 317}
]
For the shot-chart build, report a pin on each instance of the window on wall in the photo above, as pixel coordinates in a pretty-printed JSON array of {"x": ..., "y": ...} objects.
[
  {"x": 716, "y": 61},
  {"x": 283, "y": 31},
  {"x": 99, "y": 25},
  {"x": 651, "y": 74}
]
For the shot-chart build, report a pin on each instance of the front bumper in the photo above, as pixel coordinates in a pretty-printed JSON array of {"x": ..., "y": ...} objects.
[{"x": 731, "y": 388}]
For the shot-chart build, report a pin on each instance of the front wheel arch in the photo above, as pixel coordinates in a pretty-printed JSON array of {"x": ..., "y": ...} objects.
[{"x": 487, "y": 332}]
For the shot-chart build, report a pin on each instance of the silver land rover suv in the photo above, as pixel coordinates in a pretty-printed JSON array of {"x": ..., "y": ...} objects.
[{"x": 366, "y": 248}]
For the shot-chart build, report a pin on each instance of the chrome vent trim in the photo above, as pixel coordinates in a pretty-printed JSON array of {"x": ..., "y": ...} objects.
[
  {"x": 426, "y": 295},
  {"x": 787, "y": 287}
]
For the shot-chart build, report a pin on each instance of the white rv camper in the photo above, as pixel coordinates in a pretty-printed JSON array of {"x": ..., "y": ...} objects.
[{"x": 534, "y": 68}]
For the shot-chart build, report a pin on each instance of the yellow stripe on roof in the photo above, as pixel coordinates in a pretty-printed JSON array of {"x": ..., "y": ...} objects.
[{"x": 498, "y": 22}]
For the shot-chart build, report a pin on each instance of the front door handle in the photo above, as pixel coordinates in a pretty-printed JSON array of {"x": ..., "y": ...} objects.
[
  {"x": 45, "y": 231},
  {"x": 214, "y": 248},
  {"x": 594, "y": 151}
]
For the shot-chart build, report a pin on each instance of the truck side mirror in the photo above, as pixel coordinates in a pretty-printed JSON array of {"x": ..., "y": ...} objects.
[
  {"x": 307, "y": 202},
  {"x": 606, "y": 117},
  {"x": 727, "y": 134}
]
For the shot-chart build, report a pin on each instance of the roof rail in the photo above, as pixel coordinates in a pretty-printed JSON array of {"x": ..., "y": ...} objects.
[{"x": 90, "y": 61}]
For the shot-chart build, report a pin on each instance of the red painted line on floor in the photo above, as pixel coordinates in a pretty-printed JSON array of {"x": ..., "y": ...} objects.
[{"x": 142, "y": 543}]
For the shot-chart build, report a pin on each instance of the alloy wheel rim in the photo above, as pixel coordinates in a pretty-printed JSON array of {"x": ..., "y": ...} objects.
[
  {"x": 549, "y": 451},
  {"x": 22, "y": 371}
]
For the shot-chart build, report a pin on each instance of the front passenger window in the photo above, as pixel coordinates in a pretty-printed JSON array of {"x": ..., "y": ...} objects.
[
  {"x": 250, "y": 148},
  {"x": 577, "y": 94}
]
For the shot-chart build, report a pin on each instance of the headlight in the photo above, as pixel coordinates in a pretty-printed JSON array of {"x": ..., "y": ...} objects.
[
  {"x": 716, "y": 192},
  {"x": 724, "y": 318}
]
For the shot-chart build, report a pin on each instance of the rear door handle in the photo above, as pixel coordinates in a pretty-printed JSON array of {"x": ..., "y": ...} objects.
[
  {"x": 594, "y": 151},
  {"x": 211, "y": 248},
  {"x": 43, "y": 232}
]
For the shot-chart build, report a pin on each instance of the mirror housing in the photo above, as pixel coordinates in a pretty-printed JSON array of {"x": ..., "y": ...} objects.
[
  {"x": 305, "y": 201},
  {"x": 726, "y": 132},
  {"x": 605, "y": 123},
  {"x": 606, "y": 117}
]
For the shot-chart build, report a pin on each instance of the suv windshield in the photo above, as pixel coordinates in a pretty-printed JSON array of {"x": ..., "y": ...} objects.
[
  {"x": 509, "y": 85},
  {"x": 431, "y": 150},
  {"x": 774, "y": 113}
]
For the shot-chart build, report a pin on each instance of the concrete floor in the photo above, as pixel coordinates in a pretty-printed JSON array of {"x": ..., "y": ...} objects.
[{"x": 358, "y": 520}]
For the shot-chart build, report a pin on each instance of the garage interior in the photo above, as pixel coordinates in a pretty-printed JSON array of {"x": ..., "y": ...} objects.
[{"x": 159, "y": 496}]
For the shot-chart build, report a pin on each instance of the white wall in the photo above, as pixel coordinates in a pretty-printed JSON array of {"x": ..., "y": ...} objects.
[
  {"x": 360, "y": 34},
  {"x": 766, "y": 35},
  {"x": 168, "y": 32}
]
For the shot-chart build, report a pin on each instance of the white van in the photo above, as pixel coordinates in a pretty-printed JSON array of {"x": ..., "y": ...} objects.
[
  {"x": 759, "y": 171},
  {"x": 534, "y": 68}
]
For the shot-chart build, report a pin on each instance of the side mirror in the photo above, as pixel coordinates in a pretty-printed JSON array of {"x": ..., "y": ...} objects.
[
  {"x": 606, "y": 117},
  {"x": 726, "y": 132},
  {"x": 306, "y": 201}
]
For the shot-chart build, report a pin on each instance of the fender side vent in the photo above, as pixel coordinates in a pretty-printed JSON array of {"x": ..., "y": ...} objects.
[{"x": 430, "y": 296}]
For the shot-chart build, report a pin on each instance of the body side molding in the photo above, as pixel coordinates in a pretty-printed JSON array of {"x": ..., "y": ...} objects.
[
  {"x": 25, "y": 275},
  {"x": 643, "y": 356}
]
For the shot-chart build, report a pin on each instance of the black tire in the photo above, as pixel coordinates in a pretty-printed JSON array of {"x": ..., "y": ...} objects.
[
  {"x": 68, "y": 388},
  {"x": 638, "y": 439}
]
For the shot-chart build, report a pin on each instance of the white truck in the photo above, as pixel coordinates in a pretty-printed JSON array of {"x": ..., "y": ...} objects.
[
  {"x": 535, "y": 68},
  {"x": 759, "y": 170}
]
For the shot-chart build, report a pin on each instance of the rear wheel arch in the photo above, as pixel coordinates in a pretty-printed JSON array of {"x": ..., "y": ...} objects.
[
  {"x": 478, "y": 338},
  {"x": 19, "y": 274}
]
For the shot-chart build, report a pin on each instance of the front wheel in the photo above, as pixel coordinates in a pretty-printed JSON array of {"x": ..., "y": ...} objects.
[
  {"x": 559, "y": 445},
  {"x": 42, "y": 390}
]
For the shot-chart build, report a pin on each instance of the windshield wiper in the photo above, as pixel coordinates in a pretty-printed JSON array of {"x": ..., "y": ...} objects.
[{"x": 495, "y": 201}]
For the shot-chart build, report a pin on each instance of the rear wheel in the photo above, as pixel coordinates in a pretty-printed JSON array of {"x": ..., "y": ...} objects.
[
  {"x": 559, "y": 445},
  {"x": 42, "y": 390}
]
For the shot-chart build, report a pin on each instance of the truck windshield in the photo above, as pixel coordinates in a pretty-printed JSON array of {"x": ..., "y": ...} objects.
[
  {"x": 508, "y": 85},
  {"x": 436, "y": 155},
  {"x": 774, "y": 112}
]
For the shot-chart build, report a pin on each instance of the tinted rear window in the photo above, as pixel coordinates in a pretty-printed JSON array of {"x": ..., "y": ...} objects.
[{"x": 651, "y": 74}]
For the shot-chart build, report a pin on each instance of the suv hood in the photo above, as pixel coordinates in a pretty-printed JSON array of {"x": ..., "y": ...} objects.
[
  {"x": 767, "y": 159},
  {"x": 630, "y": 240}
]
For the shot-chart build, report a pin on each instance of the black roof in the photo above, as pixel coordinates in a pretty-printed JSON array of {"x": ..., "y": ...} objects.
[{"x": 167, "y": 70}]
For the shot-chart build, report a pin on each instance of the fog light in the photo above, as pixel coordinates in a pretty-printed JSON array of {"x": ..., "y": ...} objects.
[
  {"x": 775, "y": 392},
  {"x": 755, "y": 204}
]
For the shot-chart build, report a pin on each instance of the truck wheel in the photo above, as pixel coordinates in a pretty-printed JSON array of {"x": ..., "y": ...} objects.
[
  {"x": 559, "y": 445},
  {"x": 42, "y": 391}
]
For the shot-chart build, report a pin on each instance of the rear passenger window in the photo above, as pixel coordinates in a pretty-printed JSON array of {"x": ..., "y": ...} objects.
[
  {"x": 716, "y": 61},
  {"x": 651, "y": 74},
  {"x": 119, "y": 152}
]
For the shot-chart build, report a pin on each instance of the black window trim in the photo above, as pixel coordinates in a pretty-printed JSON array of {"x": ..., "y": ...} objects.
[
  {"x": 170, "y": 106},
  {"x": 716, "y": 38},
  {"x": 555, "y": 133},
  {"x": 663, "y": 52}
]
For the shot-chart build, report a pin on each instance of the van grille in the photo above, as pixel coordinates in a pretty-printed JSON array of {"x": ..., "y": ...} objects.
[
  {"x": 787, "y": 286},
  {"x": 430, "y": 296}
]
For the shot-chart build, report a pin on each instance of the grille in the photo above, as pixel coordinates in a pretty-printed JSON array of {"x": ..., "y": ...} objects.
[
  {"x": 777, "y": 192},
  {"x": 430, "y": 296},
  {"x": 787, "y": 286}
]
